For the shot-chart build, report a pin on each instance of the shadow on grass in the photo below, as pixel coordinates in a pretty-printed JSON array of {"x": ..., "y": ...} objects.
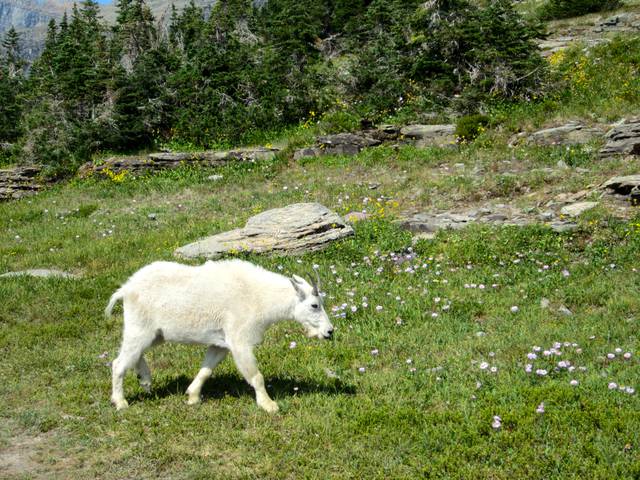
[{"x": 224, "y": 385}]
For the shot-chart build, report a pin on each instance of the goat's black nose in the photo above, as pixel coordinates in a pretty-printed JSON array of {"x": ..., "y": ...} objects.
[{"x": 329, "y": 334}]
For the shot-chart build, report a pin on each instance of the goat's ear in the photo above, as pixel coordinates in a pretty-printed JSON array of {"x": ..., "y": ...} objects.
[{"x": 297, "y": 283}]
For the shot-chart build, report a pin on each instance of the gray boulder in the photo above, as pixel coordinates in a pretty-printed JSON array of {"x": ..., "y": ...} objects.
[
  {"x": 430, "y": 135},
  {"x": 19, "y": 182},
  {"x": 338, "y": 144},
  {"x": 41, "y": 273},
  {"x": 577, "y": 209},
  {"x": 627, "y": 186},
  {"x": 292, "y": 230},
  {"x": 623, "y": 139},
  {"x": 572, "y": 133},
  {"x": 170, "y": 160}
]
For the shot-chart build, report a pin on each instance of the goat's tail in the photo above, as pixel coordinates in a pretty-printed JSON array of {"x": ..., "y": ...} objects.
[{"x": 118, "y": 295}]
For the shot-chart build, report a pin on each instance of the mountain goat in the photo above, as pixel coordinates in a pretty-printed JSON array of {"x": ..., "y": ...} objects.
[{"x": 227, "y": 305}]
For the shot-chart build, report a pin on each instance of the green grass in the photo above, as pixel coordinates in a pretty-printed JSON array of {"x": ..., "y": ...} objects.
[{"x": 388, "y": 422}]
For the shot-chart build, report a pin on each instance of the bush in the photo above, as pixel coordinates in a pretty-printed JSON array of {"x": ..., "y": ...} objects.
[
  {"x": 555, "y": 9},
  {"x": 470, "y": 126}
]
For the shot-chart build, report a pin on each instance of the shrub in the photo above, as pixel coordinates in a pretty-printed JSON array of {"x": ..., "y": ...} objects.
[
  {"x": 470, "y": 126},
  {"x": 555, "y": 9}
]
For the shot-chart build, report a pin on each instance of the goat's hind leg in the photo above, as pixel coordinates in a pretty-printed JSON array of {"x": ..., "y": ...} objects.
[
  {"x": 144, "y": 374},
  {"x": 212, "y": 358},
  {"x": 133, "y": 346}
]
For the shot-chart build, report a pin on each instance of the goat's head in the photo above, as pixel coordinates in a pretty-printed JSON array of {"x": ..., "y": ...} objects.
[{"x": 309, "y": 309}]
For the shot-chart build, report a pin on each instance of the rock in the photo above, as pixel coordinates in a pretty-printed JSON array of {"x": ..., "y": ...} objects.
[
  {"x": 383, "y": 133},
  {"x": 19, "y": 182},
  {"x": 623, "y": 139},
  {"x": 338, "y": 144},
  {"x": 430, "y": 135},
  {"x": 433, "y": 222},
  {"x": 573, "y": 133},
  {"x": 565, "y": 311},
  {"x": 215, "y": 178},
  {"x": 620, "y": 22},
  {"x": 577, "y": 209},
  {"x": 41, "y": 273},
  {"x": 292, "y": 230},
  {"x": 169, "y": 160},
  {"x": 627, "y": 186},
  {"x": 563, "y": 227},
  {"x": 152, "y": 216}
]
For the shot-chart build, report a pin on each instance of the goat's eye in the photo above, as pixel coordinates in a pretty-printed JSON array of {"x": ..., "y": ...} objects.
[{"x": 315, "y": 305}]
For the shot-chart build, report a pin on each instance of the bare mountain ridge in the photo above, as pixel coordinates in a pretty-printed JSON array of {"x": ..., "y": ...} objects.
[{"x": 30, "y": 17}]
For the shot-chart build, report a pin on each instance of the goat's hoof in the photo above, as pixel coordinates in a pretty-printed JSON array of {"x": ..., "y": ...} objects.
[
  {"x": 193, "y": 400},
  {"x": 146, "y": 387},
  {"x": 120, "y": 404},
  {"x": 269, "y": 406}
]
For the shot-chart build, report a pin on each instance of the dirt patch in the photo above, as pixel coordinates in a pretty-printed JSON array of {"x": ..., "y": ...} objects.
[{"x": 18, "y": 455}]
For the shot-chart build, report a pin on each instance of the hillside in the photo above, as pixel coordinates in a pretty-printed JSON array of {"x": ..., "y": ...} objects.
[{"x": 484, "y": 294}]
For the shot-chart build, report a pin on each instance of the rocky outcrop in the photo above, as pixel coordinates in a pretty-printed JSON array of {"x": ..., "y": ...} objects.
[
  {"x": 572, "y": 133},
  {"x": 427, "y": 224},
  {"x": 338, "y": 144},
  {"x": 19, "y": 182},
  {"x": 292, "y": 230},
  {"x": 623, "y": 139},
  {"x": 627, "y": 186},
  {"x": 619, "y": 23},
  {"x": 577, "y": 209},
  {"x": 430, "y": 135},
  {"x": 169, "y": 160}
]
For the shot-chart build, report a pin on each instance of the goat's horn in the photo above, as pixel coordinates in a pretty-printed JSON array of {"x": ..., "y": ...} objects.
[{"x": 316, "y": 283}]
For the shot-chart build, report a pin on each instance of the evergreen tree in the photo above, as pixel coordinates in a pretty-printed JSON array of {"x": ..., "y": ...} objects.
[{"x": 11, "y": 86}]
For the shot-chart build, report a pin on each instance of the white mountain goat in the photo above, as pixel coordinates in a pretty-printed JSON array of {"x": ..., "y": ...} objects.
[{"x": 226, "y": 305}]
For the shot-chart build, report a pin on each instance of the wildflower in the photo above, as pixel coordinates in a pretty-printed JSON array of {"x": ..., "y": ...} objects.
[
  {"x": 532, "y": 356},
  {"x": 484, "y": 366},
  {"x": 494, "y": 369},
  {"x": 378, "y": 308},
  {"x": 362, "y": 369},
  {"x": 574, "y": 383},
  {"x": 618, "y": 350},
  {"x": 540, "y": 408},
  {"x": 629, "y": 390},
  {"x": 497, "y": 422},
  {"x": 515, "y": 309},
  {"x": 612, "y": 386},
  {"x": 374, "y": 352},
  {"x": 611, "y": 356},
  {"x": 528, "y": 368},
  {"x": 541, "y": 372},
  {"x": 293, "y": 345},
  {"x": 627, "y": 355}
]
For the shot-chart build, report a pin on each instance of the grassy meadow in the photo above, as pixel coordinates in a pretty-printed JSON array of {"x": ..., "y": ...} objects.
[{"x": 485, "y": 353}]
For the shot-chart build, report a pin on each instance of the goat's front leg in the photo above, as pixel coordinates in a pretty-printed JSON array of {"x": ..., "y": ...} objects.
[{"x": 246, "y": 363}]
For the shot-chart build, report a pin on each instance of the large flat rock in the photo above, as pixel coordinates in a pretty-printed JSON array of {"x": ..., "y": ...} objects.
[
  {"x": 169, "y": 160},
  {"x": 623, "y": 139},
  {"x": 41, "y": 273},
  {"x": 291, "y": 230},
  {"x": 338, "y": 144},
  {"x": 573, "y": 133},
  {"x": 626, "y": 186},
  {"x": 19, "y": 181},
  {"x": 430, "y": 135}
]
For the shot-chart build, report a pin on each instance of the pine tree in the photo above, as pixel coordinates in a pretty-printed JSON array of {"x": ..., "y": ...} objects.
[{"x": 11, "y": 86}]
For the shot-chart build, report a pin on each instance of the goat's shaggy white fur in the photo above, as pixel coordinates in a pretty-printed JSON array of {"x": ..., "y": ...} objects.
[{"x": 226, "y": 305}]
